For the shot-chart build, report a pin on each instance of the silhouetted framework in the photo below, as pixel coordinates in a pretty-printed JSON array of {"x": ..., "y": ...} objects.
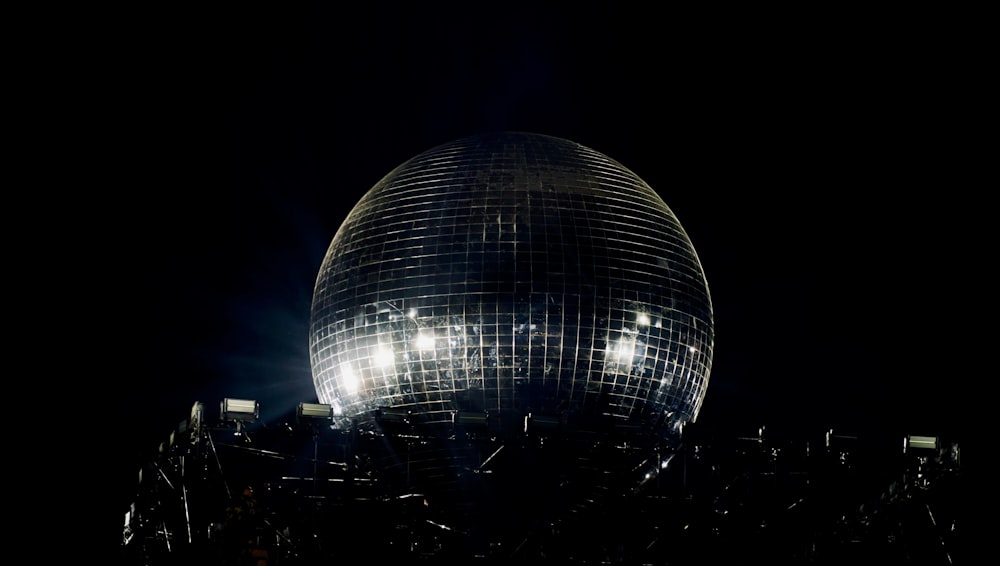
[{"x": 551, "y": 492}]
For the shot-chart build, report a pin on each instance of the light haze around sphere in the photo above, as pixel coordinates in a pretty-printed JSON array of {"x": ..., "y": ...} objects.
[{"x": 513, "y": 275}]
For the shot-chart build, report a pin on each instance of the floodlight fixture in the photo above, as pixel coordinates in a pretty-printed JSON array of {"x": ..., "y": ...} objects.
[
  {"x": 242, "y": 410},
  {"x": 314, "y": 412},
  {"x": 542, "y": 422},
  {"x": 921, "y": 442},
  {"x": 471, "y": 420}
]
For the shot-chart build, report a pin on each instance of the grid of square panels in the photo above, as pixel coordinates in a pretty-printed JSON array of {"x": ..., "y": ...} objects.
[{"x": 513, "y": 274}]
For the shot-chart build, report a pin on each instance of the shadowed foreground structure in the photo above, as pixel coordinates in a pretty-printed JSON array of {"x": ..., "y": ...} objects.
[{"x": 550, "y": 494}]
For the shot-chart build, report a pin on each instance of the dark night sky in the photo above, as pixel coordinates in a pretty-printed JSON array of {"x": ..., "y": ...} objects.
[{"x": 798, "y": 158}]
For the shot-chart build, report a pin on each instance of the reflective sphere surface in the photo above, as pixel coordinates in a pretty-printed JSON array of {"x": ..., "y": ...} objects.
[{"x": 515, "y": 276}]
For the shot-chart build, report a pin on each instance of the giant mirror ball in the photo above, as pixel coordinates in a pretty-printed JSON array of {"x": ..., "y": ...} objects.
[{"x": 513, "y": 276}]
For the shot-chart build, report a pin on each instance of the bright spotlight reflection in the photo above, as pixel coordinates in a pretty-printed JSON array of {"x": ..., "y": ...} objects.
[
  {"x": 348, "y": 378},
  {"x": 424, "y": 341},
  {"x": 625, "y": 350},
  {"x": 384, "y": 356}
]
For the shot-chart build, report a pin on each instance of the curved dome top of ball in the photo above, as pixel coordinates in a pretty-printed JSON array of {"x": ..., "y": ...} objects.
[{"x": 513, "y": 275}]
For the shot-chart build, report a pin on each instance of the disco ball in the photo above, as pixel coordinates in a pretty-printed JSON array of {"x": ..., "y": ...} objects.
[{"x": 513, "y": 276}]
